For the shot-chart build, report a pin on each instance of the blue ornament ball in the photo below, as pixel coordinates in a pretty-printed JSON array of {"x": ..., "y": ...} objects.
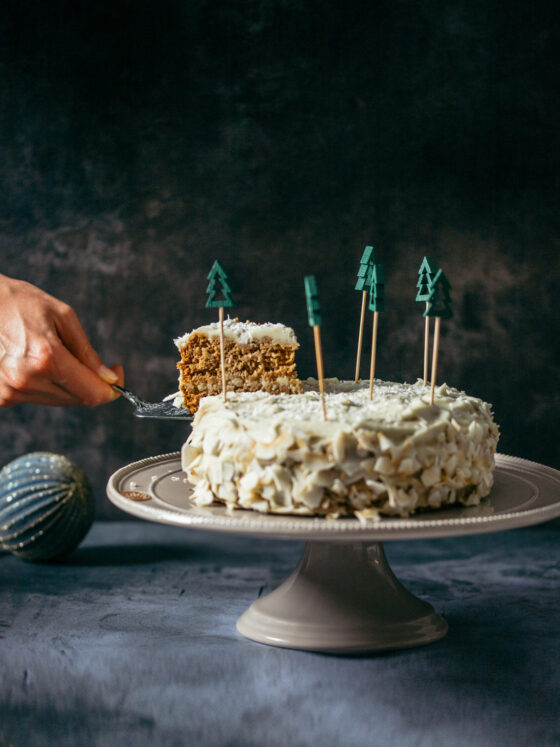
[{"x": 46, "y": 506}]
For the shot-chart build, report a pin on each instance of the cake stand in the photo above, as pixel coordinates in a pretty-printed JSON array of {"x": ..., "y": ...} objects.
[{"x": 342, "y": 597}]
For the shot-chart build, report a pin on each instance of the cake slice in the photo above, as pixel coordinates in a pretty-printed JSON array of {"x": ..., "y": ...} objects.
[{"x": 258, "y": 357}]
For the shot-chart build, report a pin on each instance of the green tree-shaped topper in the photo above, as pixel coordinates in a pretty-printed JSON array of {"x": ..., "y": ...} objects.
[
  {"x": 426, "y": 274},
  {"x": 376, "y": 304},
  {"x": 314, "y": 317},
  {"x": 215, "y": 276},
  {"x": 377, "y": 288},
  {"x": 362, "y": 284},
  {"x": 364, "y": 270},
  {"x": 439, "y": 298},
  {"x": 312, "y": 299},
  {"x": 438, "y": 306}
]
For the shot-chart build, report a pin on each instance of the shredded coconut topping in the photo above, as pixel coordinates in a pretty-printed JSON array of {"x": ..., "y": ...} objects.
[
  {"x": 392, "y": 454},
  {"x": 245, "y": 332}
]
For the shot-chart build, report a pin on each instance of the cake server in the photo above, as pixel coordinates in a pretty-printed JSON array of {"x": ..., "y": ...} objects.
[{"x": 158, "y": 410}]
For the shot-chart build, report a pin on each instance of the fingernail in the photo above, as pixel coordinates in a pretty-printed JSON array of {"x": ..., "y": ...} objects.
[{"x": 107, "y": 375}]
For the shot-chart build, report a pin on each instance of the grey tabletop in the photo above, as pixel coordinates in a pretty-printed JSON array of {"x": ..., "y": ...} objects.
[{"x": 132, "y": 640}]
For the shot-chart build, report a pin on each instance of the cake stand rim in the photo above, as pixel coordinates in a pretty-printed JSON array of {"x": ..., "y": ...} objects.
[{"x": 331, "y": 530}]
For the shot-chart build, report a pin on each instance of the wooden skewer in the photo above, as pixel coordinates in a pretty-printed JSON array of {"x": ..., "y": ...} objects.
[
  {"x": 435, "y": 357},
  {"x": 319, "y": 357},
  {"x": 373, "y": 352},
  {"x": 426, "y": 346},
  {"x": 361, "y": 336},
  {"x": 222, "y": 352}
]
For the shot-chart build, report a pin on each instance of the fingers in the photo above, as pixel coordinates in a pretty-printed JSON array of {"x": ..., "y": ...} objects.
[
  {"x": 51, "y": 395},
  {"x": 75, "y": 339},
  {"x": 80, "y": 382},
  {"x": 45, "y": 355},
  {"x": 37, "y": 389},
  {"x": 50, "y": 374}
]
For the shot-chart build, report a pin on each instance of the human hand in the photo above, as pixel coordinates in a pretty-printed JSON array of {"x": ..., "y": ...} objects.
[{"x": 45, "y": 355}]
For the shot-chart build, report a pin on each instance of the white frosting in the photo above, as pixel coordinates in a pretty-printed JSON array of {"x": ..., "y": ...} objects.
[
  {"x": 394, "y": 453},
  {"x": 244, "y": 333}
]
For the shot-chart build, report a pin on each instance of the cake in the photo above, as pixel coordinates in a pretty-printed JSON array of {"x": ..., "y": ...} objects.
[
  {"x": 258, "y": 357},
  {"x": 392, "y": 455}
]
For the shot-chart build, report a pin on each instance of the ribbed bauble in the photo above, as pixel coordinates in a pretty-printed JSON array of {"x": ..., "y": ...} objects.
[{"x": 46, "y": 506}]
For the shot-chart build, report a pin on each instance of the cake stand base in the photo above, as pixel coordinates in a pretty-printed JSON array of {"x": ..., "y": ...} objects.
[{"x": 342, "y": 598}]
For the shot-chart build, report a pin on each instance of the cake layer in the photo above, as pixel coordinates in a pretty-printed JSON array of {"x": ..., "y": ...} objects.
[
  {"x": 392, "y": 455},
  {"x": 257, "y": 357}
]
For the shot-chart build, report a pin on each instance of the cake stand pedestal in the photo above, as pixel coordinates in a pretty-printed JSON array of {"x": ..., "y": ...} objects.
[{"x": 342, "y": 597}]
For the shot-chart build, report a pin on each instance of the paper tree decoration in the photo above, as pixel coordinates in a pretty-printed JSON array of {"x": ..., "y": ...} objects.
[
  {"x": 426, "y": 274},
  {"x": 364, "y": 270},
  {"x": 312, "y": 299},
  {"x": 438, "y": 306},
  {"x": 362, "y": 284},
  {"x": 377, "y": 305},
  {"x": 218, "y": 277},
  {"x": 377, "y": 288},
  {"x": 439, "y": 298},
  {"x": 314, "y": 317}
]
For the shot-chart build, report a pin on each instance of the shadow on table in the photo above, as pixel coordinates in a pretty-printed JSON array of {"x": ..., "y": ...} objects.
[{"x": 137, "y": 554}]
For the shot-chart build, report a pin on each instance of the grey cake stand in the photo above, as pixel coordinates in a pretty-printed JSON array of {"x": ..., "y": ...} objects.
[{"x": 343, "y": 596}]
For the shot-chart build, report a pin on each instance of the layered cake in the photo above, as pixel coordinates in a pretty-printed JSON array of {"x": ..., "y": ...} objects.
[
  {"x": 392, "y": 455},
  {"x": 258, "y": 357}
]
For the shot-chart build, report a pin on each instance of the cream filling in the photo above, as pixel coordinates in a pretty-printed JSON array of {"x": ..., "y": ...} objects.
[{"x": 214, "y": 386}]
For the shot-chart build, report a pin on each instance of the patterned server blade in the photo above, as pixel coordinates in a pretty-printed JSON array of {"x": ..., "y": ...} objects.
[{"x": 158, "y": 410}]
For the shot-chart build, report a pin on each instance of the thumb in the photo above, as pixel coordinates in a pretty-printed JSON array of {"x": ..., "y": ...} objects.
[{"x": 119, "y": 371}]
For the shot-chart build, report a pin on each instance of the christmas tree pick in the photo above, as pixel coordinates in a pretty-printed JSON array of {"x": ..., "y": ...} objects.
[
  {"x": 314, "y": 317},
  {"x": 218, "y": 276},
  {"x": 377, "y": 305},
  {"x": 426, "y": 274},
  {"x": 438, "y": 306},
  {"x": 362, "y": 284},
  {"x": 215, "y": 276}
]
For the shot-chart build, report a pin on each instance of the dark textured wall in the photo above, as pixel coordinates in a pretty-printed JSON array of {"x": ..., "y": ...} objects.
[{"x": 141, "y": 140}]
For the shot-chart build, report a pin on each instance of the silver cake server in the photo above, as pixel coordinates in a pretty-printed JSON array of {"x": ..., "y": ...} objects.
[{"x": 158, "y": 410}]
